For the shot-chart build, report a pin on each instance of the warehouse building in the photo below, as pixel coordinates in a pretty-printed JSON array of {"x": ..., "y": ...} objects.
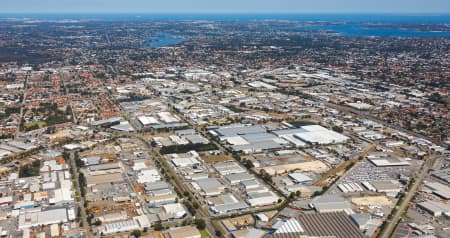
[
  {"x": 318, "y": 135},
  {"x": 119, "y": 226},
  {"x": 228, "y": 167},
  {"x": 301, "y": 178},
  {"x": 387, "y": 161},
  {"x": 159, "y": 200},
  {"x": 229, "y": 207},
  {"x": 183, "y": 232},
  {"x": 390, "y": 187},
  {"x": 435, "y": 208},
  {"x": 248, "y": 139},
  {"x": 312, "y": 135},
  {"x": 175, "y": 210},
  {"x": 331, "y": 203},
  {"x": 439, "y": 189},
  {"x": 248, "y": 233},
  {"x": 210, "y": 186},
  {"x": 240, "y": 177},
  {"x": 333, "y": 224},
  {"x": 35, "y": 218},
  {"x": 258, "y": 199}
]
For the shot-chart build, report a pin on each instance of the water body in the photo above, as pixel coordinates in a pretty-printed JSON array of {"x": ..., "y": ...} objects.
[
  {"x": 163, "y": 40},
  {"x": 360, "y": 30},
  {"x": 389, "y": 25}
]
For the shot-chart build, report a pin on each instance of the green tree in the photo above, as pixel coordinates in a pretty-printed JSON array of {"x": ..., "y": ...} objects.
[
  {"x": 200, "y": 223},
  {"x": 158, "y": 226},
  {"x": 136, "y": 233},
  {"x": 338, "y": 129}
]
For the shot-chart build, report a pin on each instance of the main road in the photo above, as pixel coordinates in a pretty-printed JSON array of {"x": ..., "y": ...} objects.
[
  {"x": 81, "y": 205},
  {"x": 409, "y": 195},
  {"x": 23, "y": 103},
  {"x": 181, "y": 186}
]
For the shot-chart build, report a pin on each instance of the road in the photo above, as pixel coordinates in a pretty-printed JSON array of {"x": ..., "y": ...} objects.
[
  {"x": 140, "y": 198},
  {"x": 81, "y": 204},
  {"x": 325, "y": 179},
  {"x": 69, "y": 100},
  {"x": 181, "y": 186},
  {"x": 25, "y": 86},
  {"x": 205, "y": 214},
  {"x": 409, "y": 195}
]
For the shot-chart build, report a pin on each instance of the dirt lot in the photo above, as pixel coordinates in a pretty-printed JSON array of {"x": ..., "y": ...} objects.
[
  {"x": 312, "y": 166},
  {"x": 371, "y": 201},
  {"x": 215, "y": 158},
  {"x": 242, "y": 220}
]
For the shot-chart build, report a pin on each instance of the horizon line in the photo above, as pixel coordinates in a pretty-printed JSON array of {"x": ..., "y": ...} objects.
[{"x": 238, "y": 13}]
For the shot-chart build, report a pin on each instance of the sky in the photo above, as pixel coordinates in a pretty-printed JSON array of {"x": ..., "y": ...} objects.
[{"x": 225, "y": 6}]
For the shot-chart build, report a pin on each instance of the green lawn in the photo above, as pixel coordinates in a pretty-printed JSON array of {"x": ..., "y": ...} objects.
[
  {"x": 40, "y": 124},
  {"x": 204, "y": 234}
]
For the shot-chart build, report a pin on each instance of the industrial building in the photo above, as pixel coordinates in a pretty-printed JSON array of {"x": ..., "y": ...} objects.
[
  {"x": 331, "y": 203},
  {"x": 333, "y": 224},
  {"x": 36, "y": 217},
  {"x": 210, "y": 186},
  {"x": 301, "y": 178},
  {"x": 435, "y": 208},
  {"x": 183, "y": 232}
]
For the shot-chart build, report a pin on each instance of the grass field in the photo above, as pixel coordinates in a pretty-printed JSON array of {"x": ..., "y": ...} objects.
[
  {"x": 38, "y": 123},
  {"x": 204, "y": 234}
]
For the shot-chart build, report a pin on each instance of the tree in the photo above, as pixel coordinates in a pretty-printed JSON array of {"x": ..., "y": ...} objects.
[
  {"x": 79, "y": 163},
  {"x": 338, "y": 129},
  {"x": 136, "y": 233},
  {"x": 200, "y": 223},
  {"x": 158, "y": 226},
  {"x": 153, "y": 143},
  {"x": 196, "y": 205},
  {"x": 30, "y": 170},
  {"x": 292, "y": 195},
  {"x": 98, "y": 222},
  {"x": 249, "y": 164}
]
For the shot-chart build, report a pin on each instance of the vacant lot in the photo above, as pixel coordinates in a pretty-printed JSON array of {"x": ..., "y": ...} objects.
[
  {"x": 210, "y": 159},
  {"x": 371, "y": 201},
  {"x": 311, "y": 166}
]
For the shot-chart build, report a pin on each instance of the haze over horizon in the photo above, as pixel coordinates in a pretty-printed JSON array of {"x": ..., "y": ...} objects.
[{"x": 228, "y": 6}]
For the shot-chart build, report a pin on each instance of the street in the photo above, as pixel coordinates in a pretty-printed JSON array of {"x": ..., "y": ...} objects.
[{"x": 409, "y": 195}]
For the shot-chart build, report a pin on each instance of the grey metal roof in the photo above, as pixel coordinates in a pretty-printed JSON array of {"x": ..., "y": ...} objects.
[
  {"x": 240, "y": 177},
  {"x": 196, "y": 139},
  {"x": 258, "y": 137},
  {"x": 336, "y": 224},
  {"x": 330, "y": 202},
  {"x": 360, "y": 219},
  {"x": 231, "y": 207},
  {"x": 104, "y": 166},
  {"x": 239, "y": 130},
  {"x": 288, "y": 131},
  {"x": 185, "y": 132},
  {"x": 107, "y": 121},
  {"x": 257, "y": 146},
  {"x": 208, "y": 183},
  {"x": 156, "y": 186}
]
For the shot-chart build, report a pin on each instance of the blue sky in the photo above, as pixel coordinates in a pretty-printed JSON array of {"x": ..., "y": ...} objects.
[{"x": 225, "y": 6}]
